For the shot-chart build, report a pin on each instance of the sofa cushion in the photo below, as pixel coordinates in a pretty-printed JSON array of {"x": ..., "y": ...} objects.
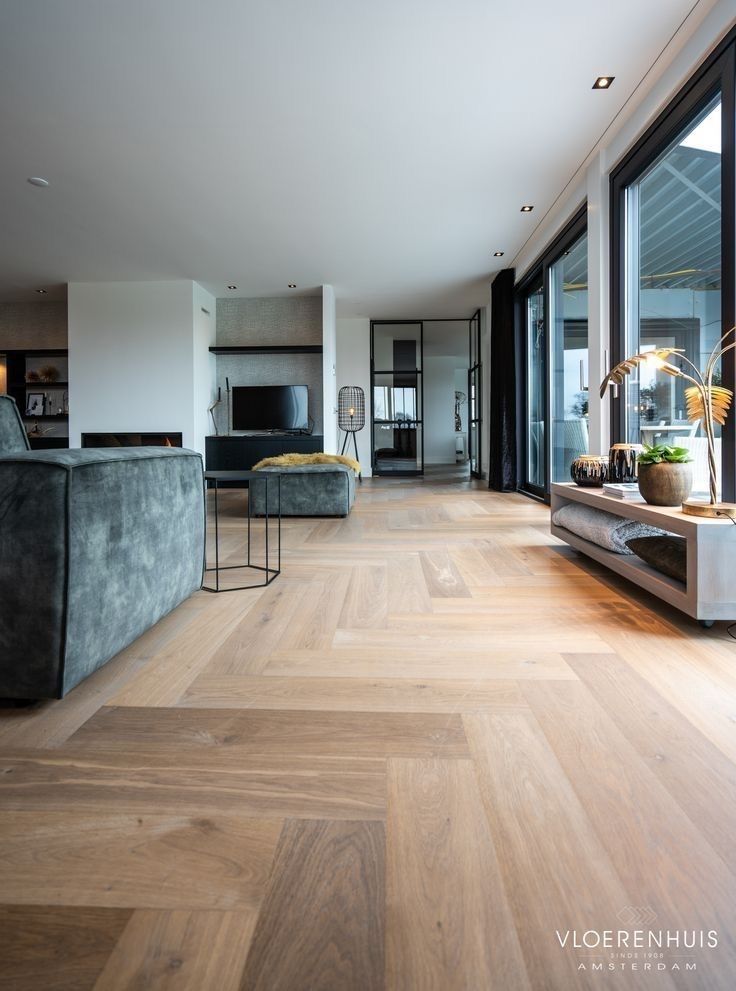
[{"x": 667, "y": 554}]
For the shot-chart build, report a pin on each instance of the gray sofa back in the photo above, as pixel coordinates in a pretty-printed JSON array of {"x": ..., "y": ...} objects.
[
  {"x": 96, "y": 545},
  {"x": 12, "y": 433}
]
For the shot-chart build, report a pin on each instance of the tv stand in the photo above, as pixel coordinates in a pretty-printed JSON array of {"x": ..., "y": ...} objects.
[{"x": 239, "y": 452}]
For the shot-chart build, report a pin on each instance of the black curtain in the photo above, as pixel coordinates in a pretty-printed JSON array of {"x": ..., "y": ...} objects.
[{"x": 502, "y": 474}]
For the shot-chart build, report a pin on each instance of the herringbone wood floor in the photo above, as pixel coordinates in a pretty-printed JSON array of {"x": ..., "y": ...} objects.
[{"x": 435, "y": 740}]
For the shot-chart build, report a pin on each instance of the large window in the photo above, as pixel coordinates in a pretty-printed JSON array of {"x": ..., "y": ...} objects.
[
  {"x": 673, "y": 264},
  {"x": 553, "y": 309}
]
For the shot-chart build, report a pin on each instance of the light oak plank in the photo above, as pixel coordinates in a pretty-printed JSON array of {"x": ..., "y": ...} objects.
[
  {"x": 261, "y": 731},
  {"x": 353, "y": 694},
  {"x": 445, "y": 894},
  {"x": 556, "y": 871},
  {"x": 54, "y": 948},
  {"x": 322, "y": 925},
  {"x": 123, "y": 861},
  {"x": 179, "y": 951}
]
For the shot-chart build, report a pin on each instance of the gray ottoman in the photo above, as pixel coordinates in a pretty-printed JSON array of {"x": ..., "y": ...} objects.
[{"x": 306, "y": 490}]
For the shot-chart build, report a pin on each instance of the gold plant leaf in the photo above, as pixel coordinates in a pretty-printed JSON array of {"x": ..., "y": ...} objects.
[
  {"x": 625, "y": 367},
  {"x": 720, "y": 403}
]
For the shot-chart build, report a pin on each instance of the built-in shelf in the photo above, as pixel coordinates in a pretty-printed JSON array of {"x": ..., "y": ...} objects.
[
  {"x": 267, "y": 349},
  {"x": 40, "y": 386},
  {"x": 60, "y": 417}
]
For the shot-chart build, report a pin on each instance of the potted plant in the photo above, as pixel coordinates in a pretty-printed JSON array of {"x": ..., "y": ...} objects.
[{"x": 665, "y": 474}]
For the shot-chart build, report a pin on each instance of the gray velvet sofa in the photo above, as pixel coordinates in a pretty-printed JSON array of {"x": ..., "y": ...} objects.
[
  {"x": 306, "y": 490},
  {"x": 96, "y": 545}
]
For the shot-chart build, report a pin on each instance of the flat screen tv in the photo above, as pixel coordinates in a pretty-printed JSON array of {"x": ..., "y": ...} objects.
[{"x": 270, "y": 407}]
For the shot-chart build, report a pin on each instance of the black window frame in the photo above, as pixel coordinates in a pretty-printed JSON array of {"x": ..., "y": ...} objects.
[
  {"x": 716, "y": 74},
  {"x": 573, "y": 230}
]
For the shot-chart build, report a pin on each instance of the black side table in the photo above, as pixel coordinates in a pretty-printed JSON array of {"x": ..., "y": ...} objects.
[{"x": 248, "y": 477}]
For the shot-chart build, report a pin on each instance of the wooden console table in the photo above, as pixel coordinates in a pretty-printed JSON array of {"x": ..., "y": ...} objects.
[{"x": 710, "y": 591}]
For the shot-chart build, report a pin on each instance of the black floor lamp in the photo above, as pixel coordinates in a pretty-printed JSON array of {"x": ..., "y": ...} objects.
[{"x": 351, "y": 415}]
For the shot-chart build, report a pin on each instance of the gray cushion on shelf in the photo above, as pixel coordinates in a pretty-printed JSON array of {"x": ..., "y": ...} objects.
[
  {"x": 12, "y": 432},
  {"x": 96, "y": 545},
  {"x": 667, "y": 554},
  {"x": 306, "y": 490},
  {"x": 599, "y": 527}
]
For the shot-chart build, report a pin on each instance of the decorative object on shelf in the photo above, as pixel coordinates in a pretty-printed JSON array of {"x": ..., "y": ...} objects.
[
  {"x": 32, "y": 376},
  {"x": 460, "y": 398},
  {"x": 227, "y": 393},
  {"x": 351, "y": 415},
  {"x": 590, "y": 470},
  {"x": 705, "y": 401},
  {"x": 665, "y": 475},
  {"x": 48, "y": 373},
  {"x": 36, "y": 430},
  {"x": 628, "y": 491},
  {"x": 211, "y": 410},
  {"x": 622, "y": 463},
  {"x": 65, "y": 403},
  {"x": 35, "y": 404}
]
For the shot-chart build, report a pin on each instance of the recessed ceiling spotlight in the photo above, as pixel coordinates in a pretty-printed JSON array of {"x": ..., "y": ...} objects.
[
  {"x": 498, "y": 254},
  {"x": 603, "y": 82},
  {"x": 36, "y": 180},
  {"x": 527, "y": 209},
  {"x": 232, "y": 287},
  {"x": 41, "y": 290},
  {"x": 292, "y": 285}
]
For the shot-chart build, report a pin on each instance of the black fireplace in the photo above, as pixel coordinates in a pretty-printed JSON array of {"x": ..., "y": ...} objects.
[{"x": 169, "y": 439}]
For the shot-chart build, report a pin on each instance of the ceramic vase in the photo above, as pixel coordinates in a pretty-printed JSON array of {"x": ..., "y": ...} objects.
[{"x": 589, "y": 470}]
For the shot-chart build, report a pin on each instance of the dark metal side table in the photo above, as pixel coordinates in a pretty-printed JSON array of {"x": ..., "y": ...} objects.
[{"x": 249, "y": 478}]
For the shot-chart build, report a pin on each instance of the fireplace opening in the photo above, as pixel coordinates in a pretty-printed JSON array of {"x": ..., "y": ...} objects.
[{"x": 167, "y": 439}]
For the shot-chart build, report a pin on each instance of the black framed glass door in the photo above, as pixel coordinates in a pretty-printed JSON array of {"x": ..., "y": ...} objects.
[
  {"x": 552, "y": 309},
  {"x": 475, "y": 397},
  {"x": 397, "y": 397}
]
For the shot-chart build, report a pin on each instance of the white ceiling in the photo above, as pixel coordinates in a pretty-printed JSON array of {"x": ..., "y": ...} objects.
[{"x": 384, "y": 147}]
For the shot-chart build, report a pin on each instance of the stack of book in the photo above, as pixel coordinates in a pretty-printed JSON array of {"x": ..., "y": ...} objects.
[{"x": 623, "y": 490}]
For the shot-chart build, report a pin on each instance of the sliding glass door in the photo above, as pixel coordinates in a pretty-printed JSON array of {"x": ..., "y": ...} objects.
[
  {"x": 536, "y": 389},
  {"x": 568, "y": 290},
  {"x": 553, "y": 308}
]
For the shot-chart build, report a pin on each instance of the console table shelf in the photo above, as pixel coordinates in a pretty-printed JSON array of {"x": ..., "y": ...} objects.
[{"x": 709, "y": 593}]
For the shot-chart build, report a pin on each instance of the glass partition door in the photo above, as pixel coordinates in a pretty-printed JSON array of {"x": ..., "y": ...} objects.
[
  {"x": 397, "y": 397},
  {"x": 475, "y": 397}
]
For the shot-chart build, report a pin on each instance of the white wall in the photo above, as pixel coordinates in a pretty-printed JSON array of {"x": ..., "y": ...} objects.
[
  {"x": 354, "y": 368},
  {"x": 132, "y": 350},
  {"x": 204, "y": 368},
  {"x": 673, "y": 68},
  {"x": 329, "y": 370}
]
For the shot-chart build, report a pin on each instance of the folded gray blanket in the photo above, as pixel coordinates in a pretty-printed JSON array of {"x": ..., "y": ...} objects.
[{"x": 604, "y": 529}]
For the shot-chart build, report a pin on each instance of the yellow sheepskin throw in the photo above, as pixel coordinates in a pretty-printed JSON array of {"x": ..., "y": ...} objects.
[{"x": 288, "y": 460}]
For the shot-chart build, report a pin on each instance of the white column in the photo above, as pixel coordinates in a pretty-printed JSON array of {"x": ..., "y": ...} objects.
[
  {"x": 329, "y": 368},
  {"x": 599, "y": 344}
]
